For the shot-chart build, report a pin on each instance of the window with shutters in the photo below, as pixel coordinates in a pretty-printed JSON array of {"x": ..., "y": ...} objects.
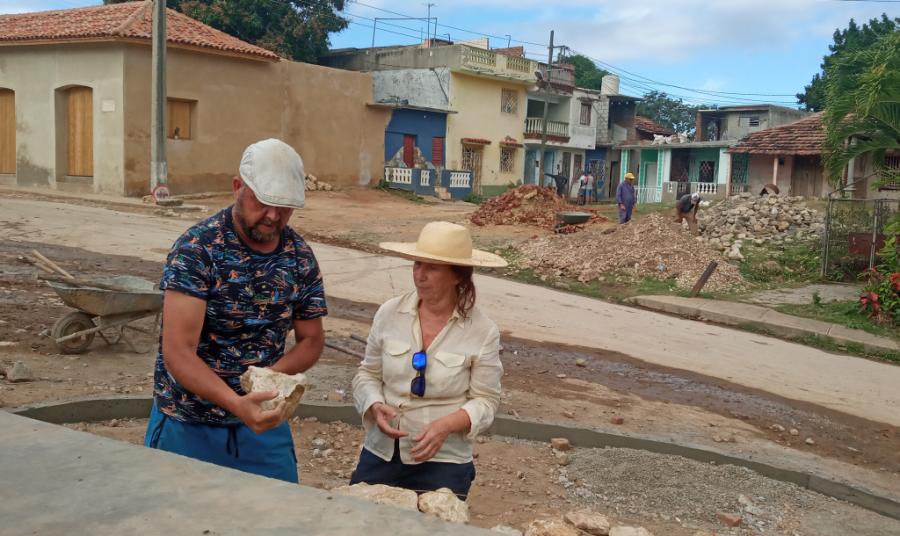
[
  {"x": 754, "y": 121},
  {"x": 586, "y": 113},
  {"x": 507, "y": 159},
  {"x": 180, "y": 118},
  {"x": 509, "y": 101},
  {"x": 437, "y": 151}
]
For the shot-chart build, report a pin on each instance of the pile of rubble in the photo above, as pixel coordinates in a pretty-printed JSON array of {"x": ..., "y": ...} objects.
[
  {"x": 313, "y": 183},
  {"x": 530, "y": 205},
  {"x": 652, "y": 247},
  {"x": 744, "y": 219}
]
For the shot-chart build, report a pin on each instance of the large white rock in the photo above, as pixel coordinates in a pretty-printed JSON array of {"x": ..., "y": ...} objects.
[
  {"x": 444, "y": 504},
  {"x": 588, "y": 521},
  {"x": 381, "y": 494},
  {"x": 290, "y": 388},
  {"x": 629, "y": 531},
  {"x": 550, "y": 527},
  {"x": 505, "y": 529}
]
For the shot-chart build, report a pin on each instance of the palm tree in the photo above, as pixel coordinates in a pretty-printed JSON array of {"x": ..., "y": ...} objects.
[{"x": 862, "y": 116}]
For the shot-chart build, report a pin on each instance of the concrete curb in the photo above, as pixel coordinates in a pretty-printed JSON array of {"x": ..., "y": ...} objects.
[
  {"x": 764, "y": 319},
  {"x": 101, "y": 409}
]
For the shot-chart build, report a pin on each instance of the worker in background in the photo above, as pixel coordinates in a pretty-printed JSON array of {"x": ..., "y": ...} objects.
[
  {"x": 626, "y": 198},
  {"x": 686, "y": 209},
  {"x": 585, "y": 188}
]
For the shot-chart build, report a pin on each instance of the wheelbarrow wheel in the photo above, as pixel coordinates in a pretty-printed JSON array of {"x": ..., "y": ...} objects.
[{"x": 73, "y": 323}]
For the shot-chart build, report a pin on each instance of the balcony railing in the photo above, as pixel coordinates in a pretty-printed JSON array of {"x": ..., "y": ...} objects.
[
  {"x": 703, "y": 188},
  {"x": 648, "y": 195},
  {"x": 479, "y": 57},
  {"x": 534, "y": 125},
  {"x": 522, "y": 65},
  {"x": 490, "y": 63}
]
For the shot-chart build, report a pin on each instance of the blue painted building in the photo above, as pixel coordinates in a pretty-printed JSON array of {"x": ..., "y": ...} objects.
[{"x": 416, "y": 137}]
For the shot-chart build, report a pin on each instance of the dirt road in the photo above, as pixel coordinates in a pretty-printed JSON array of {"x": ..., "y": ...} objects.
[
  {"x": 654, "y": 401},
  {"x": 850, "y": 385}
]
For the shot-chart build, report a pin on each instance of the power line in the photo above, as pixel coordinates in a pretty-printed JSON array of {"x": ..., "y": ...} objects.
[
  {"x": 474, "y": 32},
  {"x": 645, "y": 82}
]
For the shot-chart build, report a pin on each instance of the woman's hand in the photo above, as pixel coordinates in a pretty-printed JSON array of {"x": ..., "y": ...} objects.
[
  {"x": 383, "y": 415},
  {"x": 430, "y": 441}
]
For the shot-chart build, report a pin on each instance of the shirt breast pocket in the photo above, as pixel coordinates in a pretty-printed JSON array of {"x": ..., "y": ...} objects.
[
  {"x": 449, "y": 374},
  {"x": 396, "y": 358}
]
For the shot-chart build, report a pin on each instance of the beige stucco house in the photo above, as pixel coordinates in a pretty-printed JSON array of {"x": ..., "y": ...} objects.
[{"x": 75, "y": 104}]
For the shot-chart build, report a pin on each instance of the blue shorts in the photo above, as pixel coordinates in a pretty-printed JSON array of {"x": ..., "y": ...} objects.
[
  {"x": 427, "y": 476},
  {"x": 270, "y": 453}
]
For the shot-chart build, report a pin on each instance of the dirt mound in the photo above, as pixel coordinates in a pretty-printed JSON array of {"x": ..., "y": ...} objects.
[
  {"x": 529, "y": 205},
  {"x": 651, "y": 247}
]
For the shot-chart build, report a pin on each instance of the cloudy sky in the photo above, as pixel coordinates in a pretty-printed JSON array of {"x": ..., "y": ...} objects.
[{"x": 723, "y": 47}]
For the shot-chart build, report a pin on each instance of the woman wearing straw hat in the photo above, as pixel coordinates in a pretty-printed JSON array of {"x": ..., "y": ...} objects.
[{"x": 430, "y": 380}]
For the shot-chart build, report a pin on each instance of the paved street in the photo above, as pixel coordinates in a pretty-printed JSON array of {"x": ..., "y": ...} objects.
[{"x": 849, "y": 384}]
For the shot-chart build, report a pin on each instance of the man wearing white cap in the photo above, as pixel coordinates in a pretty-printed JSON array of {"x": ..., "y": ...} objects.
[{"x": 235, "y": 285}]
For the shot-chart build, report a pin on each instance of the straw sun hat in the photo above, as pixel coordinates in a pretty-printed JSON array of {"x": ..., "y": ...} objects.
[{"x": 442, "y": 242}]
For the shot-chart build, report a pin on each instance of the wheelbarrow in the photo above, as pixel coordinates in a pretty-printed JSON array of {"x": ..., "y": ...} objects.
[
  {"x": 566, "y": 220},
  {"x": 105, "y": 306}
]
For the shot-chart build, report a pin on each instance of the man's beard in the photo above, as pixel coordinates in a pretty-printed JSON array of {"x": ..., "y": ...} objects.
[{"x": 253, "y": 231}]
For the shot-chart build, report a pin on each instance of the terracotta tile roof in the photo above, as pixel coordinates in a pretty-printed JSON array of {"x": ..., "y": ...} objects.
[
  {"x": 129, "y": 20},
  {"x": 803, "y": 137},
  {"x": 519, "y": 52},
  {"x": 651, "y": 127}
]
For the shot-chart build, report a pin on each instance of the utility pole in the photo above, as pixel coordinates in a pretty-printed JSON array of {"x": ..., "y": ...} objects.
[
  {"x": 428, "y": 24},
  {"x": 159, "y": 175},
  {"x": 540, "y": 178}
]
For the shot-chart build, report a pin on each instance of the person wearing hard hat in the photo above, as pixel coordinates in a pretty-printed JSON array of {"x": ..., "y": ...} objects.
[
  {"x": 235, "y": 284},
  {"x": 686, "y": 210},
  {"x": 626, "y": 198}
]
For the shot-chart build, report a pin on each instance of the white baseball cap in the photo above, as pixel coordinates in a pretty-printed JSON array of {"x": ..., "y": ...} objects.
[{"x": 274, "y": 171}]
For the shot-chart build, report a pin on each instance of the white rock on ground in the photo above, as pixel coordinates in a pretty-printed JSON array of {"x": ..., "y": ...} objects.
[
  {"x": 381, "y": 494},
  {"x": 290, "y": 388},
  {"x": 505, "y": 529},
  {"x": 444, "y": 504},
  {"x": 19, "y": 372},
  {"x": 550, "y": 527},
  {"x": 629, "y": 531},
  {"x": 588, "y": 521}
]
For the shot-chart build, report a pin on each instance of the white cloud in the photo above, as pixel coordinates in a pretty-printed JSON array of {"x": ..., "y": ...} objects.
[{"x": 662, "y": 30}]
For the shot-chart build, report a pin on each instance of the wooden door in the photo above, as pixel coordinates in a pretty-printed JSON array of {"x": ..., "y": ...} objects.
[
  {"x": 7, "y": 131},
  {"x": 471, "y": 161},
  {"x": 807, "y": 177},
  {"x": 409, "y": 150},
  {"x": 579, "y": 166},
  {"x": 81, "y": 132}
]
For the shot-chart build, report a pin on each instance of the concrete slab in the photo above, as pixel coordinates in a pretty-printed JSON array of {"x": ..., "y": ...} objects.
[
  {"x": 828, "y": 292},
  {"x": 763, "y": 318},
  {"x": 59, "y": 481},
  {"x": 869, "y": 341}
]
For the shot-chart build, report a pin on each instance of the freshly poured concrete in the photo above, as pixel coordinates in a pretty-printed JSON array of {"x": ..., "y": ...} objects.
[{"x": 58, "y": 481}]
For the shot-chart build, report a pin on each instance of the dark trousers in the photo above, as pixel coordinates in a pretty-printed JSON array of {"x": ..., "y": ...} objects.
[
  {"x": 625, "y": 214},
  {"x": 428, "y": 476}
]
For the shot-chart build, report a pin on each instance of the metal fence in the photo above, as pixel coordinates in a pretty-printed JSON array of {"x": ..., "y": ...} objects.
[{"x": 854, "y": 233}]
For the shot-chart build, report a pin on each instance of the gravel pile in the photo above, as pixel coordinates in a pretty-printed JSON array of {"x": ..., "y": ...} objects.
[
  {"x": 633, "y": 482},
  {"x": 529, "y": 205},
  {"x": 653, "y": 247},
  {"x": 743, "y": 219}
]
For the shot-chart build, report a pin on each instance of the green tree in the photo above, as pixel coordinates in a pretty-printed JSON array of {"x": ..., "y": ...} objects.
[
  {"x": 295, "y": 29},
  {"x": 669, "y": 111},
  {"x": 862, "y": 116},
  {"x": 587, "y": 74},
  {"x": 846, "y": 41}
]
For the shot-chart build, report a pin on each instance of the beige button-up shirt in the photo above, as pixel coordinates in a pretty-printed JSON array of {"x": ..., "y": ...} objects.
[{"x": 463, "y": 372}]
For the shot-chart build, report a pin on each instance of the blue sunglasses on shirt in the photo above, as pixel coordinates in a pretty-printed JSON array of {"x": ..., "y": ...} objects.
[{"x": 419, "y": 363}]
